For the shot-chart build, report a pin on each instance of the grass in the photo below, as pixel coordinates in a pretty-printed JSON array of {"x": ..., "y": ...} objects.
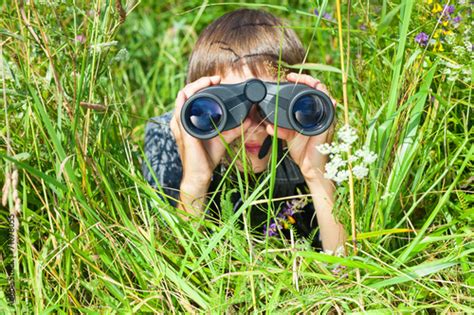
[{"x": 81, "y": 231}]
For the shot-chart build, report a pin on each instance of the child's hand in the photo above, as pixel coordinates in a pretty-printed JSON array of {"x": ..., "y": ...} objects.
[
  {"x": 303, "y": 148},
  {"x": 199, "y": 157}
]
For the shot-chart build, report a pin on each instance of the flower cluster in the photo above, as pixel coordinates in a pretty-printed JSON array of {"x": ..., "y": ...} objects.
[
  {"x": 454, "y": 71},
  {"x": 453, "y": 29},
  {"x": 451, "y": 34},
  {"x": 285, "y": 217},
  {"x": 336, "y": 168}
]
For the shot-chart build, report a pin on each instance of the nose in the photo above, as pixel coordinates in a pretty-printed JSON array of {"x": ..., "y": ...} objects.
[
  {"x": 257, "y": 122},
  {"x": 255, "y": 116}
]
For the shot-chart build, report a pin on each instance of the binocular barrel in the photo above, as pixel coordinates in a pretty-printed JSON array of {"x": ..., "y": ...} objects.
[{"x": 224, "y": 107}]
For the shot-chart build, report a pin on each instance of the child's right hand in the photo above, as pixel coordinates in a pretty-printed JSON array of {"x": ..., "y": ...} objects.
[{"x": 199, "y": 157}]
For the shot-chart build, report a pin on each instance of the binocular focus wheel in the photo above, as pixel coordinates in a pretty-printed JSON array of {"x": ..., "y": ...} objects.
[{"x": 255, "y": 91}]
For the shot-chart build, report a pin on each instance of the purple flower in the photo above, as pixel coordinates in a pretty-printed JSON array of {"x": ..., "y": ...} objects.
[
  {"x": 287, "y": 210},
  {"x": 457, "y": 20},
  {"x": 272, "y": 229},
  {"x": 80, "y": 39},
  {"x": 363, "y": 27},
  {"x": 328, "y": 17},
  {"x": 449, "y": 9},
  {"x": 422, "y": 39}
]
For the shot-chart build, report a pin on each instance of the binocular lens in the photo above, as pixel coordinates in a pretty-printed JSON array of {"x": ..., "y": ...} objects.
[
  {"x": 205, "y": 114},
  {"x": 308, "y": 111}
]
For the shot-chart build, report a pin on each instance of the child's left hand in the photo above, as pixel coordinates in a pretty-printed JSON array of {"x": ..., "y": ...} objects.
[{"x": 303, "y": 148}]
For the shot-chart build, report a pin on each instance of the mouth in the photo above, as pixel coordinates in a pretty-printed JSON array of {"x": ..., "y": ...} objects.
[{"x": 253, "y": 148}]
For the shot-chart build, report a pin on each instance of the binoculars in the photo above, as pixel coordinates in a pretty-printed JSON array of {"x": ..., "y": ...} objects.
[{"x": 224, "y": 106}]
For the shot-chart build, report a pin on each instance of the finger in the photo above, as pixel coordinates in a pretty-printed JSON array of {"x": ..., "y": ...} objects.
[
  {"x": 312, "y": 82},
  {"x": 297, "y": 144},
  {"x": 199, "y": 84},
  {"x": 180, "y": 100},
  {"x": 304, "y": 79},
  {"x": 176, "y": 132},
  {"x": 282, "y": 133}
]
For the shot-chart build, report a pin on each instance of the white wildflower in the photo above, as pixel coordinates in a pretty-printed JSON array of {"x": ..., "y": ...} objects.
[
  {"x": 468, "y": 45},
  {"x": 467, "y": 72},
  {"x": 341, "y": 176},
  {"x": 336, "y": 169},
  {"x": 97, "y": 48},
  {"x": 368, "y": 157},
  {"x": 122, "y": 55},
  {"x": 335, "y": 149},
  {"x": 344, "y": 147},
  {"x": 353, "y": 158},
  {"x": 446, "y": 71},
  {"x": 360, "y": 171},
  {"x": 337, "y": 161},
  {"x": 347, "y": 134},
  {"x": 453, "y": 65},
  {"x": 453, "y": 77},
  {"x": 331, "y": 171},
  {"x": 467, "y": 75},
  {"x": 324, "y": 148},
  {"x": 450, "y": 39},
  {"x": 332, "y": 167},
  {"x": 459, "y": 50}
]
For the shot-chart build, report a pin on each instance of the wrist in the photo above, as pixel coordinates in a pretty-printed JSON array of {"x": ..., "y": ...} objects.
[
  {"x": 196, "y": 187},
  {"x": 192, "y": 196},
  {"x": 321, "y": 188},
  {"x": 315, "y": 177}
]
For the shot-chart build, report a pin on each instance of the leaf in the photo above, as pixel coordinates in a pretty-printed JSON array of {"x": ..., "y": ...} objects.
[
  {"x": 361, "y": 236},
  {"x": 313, "y": 66},
  {"x": 417, "y": 272},
  {"x": 387, "y": 19},
  {"x": 349, "y": 262}
]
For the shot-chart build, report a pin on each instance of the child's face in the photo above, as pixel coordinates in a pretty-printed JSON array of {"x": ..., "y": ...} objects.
[{"x": 256, "y": 133}]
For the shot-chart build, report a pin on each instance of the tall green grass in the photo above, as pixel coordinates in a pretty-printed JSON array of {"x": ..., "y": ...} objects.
[{"x": 83, "y": 232}]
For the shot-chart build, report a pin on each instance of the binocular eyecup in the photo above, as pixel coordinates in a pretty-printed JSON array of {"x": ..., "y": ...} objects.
[{"x": 224, "y": 107}]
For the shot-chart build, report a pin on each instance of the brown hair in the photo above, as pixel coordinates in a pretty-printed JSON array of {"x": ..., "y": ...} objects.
[{"x": 244, "y": 37}]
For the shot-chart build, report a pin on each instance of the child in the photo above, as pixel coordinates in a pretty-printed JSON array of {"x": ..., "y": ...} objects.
[{"x": 240, "y": 45}]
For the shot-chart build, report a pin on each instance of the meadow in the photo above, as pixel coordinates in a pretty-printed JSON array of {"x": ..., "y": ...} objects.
[{"x": 81, "y": 231}]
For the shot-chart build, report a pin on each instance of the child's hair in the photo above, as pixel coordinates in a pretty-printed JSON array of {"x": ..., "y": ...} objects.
[{"x": 244, "y": 37}]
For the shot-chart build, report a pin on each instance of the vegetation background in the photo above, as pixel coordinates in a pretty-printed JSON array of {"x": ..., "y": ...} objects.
[{"x": 81, "y": 231}]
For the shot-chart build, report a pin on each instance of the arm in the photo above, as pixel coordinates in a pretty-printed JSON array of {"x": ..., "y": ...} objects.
[
  {"x": 192, "y": 196},
  {"x": 333, "y": 235},
  {"x": 199, "y": 157},
  {"x": 312, "y": 163}
]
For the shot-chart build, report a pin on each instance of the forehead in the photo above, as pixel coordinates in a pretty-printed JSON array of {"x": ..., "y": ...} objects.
[{"x": 232, "y": 77}]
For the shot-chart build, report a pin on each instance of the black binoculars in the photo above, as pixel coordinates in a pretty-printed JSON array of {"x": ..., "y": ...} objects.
[{"x": 223, "y": 107}]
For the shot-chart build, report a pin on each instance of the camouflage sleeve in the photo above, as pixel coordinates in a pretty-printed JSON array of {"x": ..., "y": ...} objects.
[{"x": 162, "y": 154}]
